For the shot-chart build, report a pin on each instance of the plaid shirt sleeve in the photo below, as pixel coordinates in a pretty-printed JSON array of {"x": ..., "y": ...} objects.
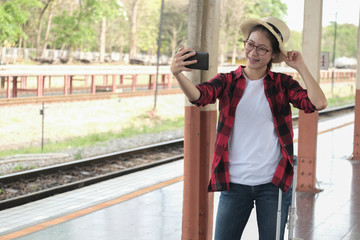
[
  {"x": 211, "y": 90},
  {"x": 298, "y": 96}
]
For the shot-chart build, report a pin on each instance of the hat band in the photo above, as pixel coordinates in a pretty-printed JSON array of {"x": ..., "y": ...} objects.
[{"x": 276, "y": 30}]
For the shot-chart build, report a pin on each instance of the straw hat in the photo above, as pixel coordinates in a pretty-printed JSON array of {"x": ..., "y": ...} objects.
[{"x": 276, "y": 26}]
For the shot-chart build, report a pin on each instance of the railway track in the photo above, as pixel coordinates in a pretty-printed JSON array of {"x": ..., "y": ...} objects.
[{"x": 23, "y": 187}]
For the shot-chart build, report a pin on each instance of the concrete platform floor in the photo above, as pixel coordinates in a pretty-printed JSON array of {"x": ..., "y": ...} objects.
[{"x": 148, "y": 205}]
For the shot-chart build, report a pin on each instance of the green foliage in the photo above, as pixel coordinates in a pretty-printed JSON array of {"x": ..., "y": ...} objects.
[
  {"x": 78, "y": 29},
  {"x": 76, "y": 25},
  {"x": 234, "y": 11},
  {"x": 346, "y": 33},
  {"x": 295, "y": 41},
  {"x": 346, "y": 40},
  {"x": 13, "y": 14},
  {"x": 264, "y": 8},
  {"x": 19, "y": 168},
  {"x": 97, "y": 9},
  {"x": 149, "y": 26},
  {"x": 78, "y": 155},
  {"x": 174, "y": 29},
  {"x": 69, "y": 29}
]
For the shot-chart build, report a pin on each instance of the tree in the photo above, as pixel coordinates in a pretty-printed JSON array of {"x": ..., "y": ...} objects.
[
  {"x": 131, "y": 7},
  {"x": 174, "y": 26},
  {"x": 39, "y": 49},
  {"x": 148, "y": 32},
  {"x": 346, "y": 40},
  {"x": 233, "y": 12},
  {"x": 70, "y": 31},
  {"x": 127, "y": 26},
  {"x": 101, "y": 11},
  {"x": 13, "y": 14},
  {"x": 117, "y": 33},
  {"x": 75, "y": 29},
  {"x": 263, "y": 8},
  {"x": 294, "y": 42}
]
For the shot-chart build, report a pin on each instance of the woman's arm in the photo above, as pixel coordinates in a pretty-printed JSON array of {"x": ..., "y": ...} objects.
[
  {"x": 316, "y": 95},
  {"x": 177, "y": 66}
]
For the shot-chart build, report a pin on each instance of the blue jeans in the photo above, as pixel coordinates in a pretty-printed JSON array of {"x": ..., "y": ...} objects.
[{"x": 235, "y": 207}]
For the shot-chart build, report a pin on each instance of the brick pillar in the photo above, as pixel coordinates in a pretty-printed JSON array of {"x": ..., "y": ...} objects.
[
  {"x": 356, "y": 152},
  {"x": 200, "y": 126},
  {"x": 306, "y": 179}
]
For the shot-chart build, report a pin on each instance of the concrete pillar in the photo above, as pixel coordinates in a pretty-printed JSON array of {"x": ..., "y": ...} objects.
[
  {"x": 200, "y": 125},
  {"x": 356, "y": 152},
  {"x": 311, "y": 46}
]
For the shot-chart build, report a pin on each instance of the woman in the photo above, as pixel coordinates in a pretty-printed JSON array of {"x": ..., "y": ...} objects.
[{"x": 254, "y": 143}]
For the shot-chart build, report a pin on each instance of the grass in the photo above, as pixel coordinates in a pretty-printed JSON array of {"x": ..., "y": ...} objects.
[
  {"x": 19, "y": 168},
  {"x": 147, "y": 124},
  {"x": 339, "y": 101},
  {"x": 153, "y": 125}
]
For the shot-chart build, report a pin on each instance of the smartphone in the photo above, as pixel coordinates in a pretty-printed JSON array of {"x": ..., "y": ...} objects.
[{"x": 202, "y": 61}]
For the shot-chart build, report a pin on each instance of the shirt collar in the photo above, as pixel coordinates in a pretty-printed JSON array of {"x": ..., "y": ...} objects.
[
  {"x": 240, "y": 72},
  {"x": 271, "y": 74}
]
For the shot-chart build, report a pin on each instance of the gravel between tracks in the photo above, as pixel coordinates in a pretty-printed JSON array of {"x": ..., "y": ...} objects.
[{"x": 21, "y": 127}]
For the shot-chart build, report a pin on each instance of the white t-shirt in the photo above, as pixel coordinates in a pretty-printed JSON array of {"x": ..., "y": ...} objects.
[{"x": 254, "y": 149}]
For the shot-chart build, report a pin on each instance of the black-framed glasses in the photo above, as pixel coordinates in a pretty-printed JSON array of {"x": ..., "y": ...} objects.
[{"x": 261, "y": 51}]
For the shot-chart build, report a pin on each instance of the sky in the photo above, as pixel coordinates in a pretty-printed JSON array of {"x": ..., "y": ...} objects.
[{"x": 348, "y": 11}]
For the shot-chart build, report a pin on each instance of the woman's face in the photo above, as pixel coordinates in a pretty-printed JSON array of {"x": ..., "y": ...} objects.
[{"x": 259, "y": 41}]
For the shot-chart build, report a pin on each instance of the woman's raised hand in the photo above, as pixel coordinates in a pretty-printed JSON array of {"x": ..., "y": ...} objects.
[
  {"x": 294, "y": 59},
  {"x": 179, "y": 64}
]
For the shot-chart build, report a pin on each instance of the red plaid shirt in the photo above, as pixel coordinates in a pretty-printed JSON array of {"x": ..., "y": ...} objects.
[{"x": 280, "y": 90}]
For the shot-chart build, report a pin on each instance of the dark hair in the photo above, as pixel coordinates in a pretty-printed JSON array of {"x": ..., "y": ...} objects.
[{"x": 274, "y": 42}]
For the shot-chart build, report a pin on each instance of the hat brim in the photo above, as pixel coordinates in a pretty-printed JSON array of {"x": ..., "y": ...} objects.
[{"x": 246, "y": 27}]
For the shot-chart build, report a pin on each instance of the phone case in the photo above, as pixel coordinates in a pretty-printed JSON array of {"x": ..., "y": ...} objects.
[{"x": 202, "y": 61}]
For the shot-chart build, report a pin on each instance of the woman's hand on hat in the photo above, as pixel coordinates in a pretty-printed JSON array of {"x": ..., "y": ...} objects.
[
  {"x": 294, "y": 59},
  {"x": 179, "y": 64}
]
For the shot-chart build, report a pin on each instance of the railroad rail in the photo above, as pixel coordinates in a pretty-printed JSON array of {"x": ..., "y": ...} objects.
[
  {"x": 20, "y": 188},
  {"x": 105, "y": 167}
]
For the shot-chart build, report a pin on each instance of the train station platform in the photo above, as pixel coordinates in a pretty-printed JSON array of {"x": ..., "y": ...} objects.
[{"x": 148, "y": 205}]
